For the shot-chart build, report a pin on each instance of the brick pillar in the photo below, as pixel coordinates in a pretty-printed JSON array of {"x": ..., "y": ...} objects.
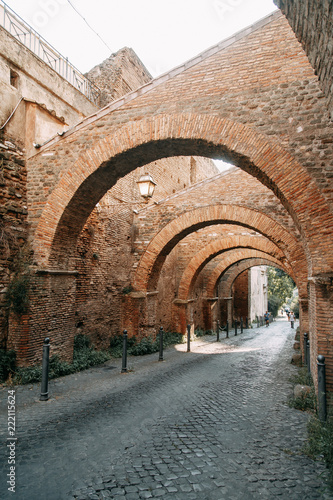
[
  {"x": 210, "y": 313},
  {"x": 139, "y": 314},
  {"x": 133, "y": 309},
  {"x": 179, "y": 315},
  {"x": 149, "y": 328},
  {"x": 321, "y": 324},
  {"x": 303, "y": 321},
  {"x": 229, "y": 310}
]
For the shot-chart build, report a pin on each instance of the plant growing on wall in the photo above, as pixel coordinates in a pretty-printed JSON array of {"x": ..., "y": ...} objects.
[
  {"x": 17, "y": 294},
  {"x": 127, "y": 289}
]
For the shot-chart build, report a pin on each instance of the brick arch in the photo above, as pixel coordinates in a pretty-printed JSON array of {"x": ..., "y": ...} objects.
[
  {"x": 209, "y": 252},
  {"x": 145, "y": 140},
  {"x": 151, "y": 262},
  {"x": 230, "y": 274},
  {"x": 229, "y": 258}
]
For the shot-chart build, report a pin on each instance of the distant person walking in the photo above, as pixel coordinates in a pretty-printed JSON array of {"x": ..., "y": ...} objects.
[
  {"x": 266, "y": 316},
  {"x": 292, "y": 319}
]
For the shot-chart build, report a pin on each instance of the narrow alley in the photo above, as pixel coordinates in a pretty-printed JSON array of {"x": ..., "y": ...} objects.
[{"x": 210, "y": 424}]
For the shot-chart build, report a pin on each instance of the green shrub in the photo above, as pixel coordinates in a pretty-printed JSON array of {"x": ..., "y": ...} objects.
[
  {"x": 116, "y": 345},
  {"x": 7, "y": 364},
  {"x": 84, "y": 356},
  {"x": 28, "y": 375},
  {"x": 199, "y": 332},
  {"x": 88, "y": 357},
  {"x": 81, "y": 341},
  {"x": 58, "y": 368},
  {"x": 147, "y": 345},
  {"x": 17, "y": 295},
  {"x": 171, "y": 338},
  {"x": 320, "y": 441},
  {"x": 307, "y": 401},
  {"x": 320, "y": 434},
  {"x": 302, "y": 377}
]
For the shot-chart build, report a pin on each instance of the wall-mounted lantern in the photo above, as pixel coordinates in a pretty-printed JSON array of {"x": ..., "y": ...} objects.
[{"x": 146, "y": 186}]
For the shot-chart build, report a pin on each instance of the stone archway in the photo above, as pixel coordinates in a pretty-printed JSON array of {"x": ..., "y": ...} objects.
[
  {"x": 183, "y": 303},
  {"x": 140, "y": 142},
  {"x": 152, "y": 260},
  {"x": 224, "y": 246}
]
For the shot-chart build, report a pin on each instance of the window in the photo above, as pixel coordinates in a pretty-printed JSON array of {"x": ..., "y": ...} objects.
[{"x": 14, "y": 78}]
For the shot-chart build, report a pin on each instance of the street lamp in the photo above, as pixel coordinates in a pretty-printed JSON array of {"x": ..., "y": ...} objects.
[{"x": 146, "y": 186}]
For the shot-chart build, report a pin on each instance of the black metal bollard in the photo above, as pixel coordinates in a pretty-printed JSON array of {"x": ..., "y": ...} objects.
[
  {"x": 217, "y": 331},
  {"x": 246, "y": 322},
  {"x": 305, "y": 349},
  {"x": 227, "y": 329},
  {"x": 322, "y": 412},
  {"x": 241, "y": 325},
  {"x": 188, "y": 338},
  {"x": 308, "y": 356},
  {"x": 160, "y": 358},
  {"x": 124, "y": 363},
  {"x": 235, "y": 327},
  {"x": 44, "y": 393}
]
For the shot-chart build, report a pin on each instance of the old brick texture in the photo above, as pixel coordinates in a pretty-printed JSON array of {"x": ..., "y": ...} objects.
[{"x": 105, "y": 260}]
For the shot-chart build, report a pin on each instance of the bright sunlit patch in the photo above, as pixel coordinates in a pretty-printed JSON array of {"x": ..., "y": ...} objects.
[{"x": 214, "y": 348}]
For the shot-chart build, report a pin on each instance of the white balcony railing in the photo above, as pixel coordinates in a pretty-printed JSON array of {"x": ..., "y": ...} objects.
[{"x": 36, "y": 43}]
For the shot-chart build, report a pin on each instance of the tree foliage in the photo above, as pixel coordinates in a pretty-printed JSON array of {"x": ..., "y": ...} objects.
[{"x": 280, "y": 287}]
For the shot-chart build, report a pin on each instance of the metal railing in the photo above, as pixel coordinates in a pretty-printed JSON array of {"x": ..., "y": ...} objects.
[{"x": 25, "y": 34}]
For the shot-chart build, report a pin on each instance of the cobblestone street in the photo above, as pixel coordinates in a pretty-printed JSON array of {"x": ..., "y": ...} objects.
[{"x": 210, "y": 424}]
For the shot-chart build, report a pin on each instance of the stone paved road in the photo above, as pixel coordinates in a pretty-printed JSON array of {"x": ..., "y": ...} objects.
[{"x": 210, "y": 424}]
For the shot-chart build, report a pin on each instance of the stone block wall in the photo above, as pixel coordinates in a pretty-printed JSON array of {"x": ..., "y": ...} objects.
[
  {"x": 13, "y": 221},
  {"x": 118, "y": 75},
  {"x": 312, "y": 22}
]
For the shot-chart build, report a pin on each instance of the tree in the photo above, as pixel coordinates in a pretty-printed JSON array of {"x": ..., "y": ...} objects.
[{"x": 280, "y": 288}]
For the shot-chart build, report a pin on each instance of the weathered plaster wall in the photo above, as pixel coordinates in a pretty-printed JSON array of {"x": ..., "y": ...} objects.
[
  {"x": 258, "y": 291},
  {"x": 36, "y": 82}
]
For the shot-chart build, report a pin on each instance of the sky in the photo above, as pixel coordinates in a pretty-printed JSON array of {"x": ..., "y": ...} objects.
[{"x": 163, "y": 33}]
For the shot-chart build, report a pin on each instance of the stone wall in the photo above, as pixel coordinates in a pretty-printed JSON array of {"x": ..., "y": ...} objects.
[
  {"x": 118, "y": 75},
  {"x": 311, "y": 20},
  {"x": 14, "y": 256}
]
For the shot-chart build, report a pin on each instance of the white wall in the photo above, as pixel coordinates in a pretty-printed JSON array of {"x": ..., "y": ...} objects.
[{"x": 258, "y": 291}]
